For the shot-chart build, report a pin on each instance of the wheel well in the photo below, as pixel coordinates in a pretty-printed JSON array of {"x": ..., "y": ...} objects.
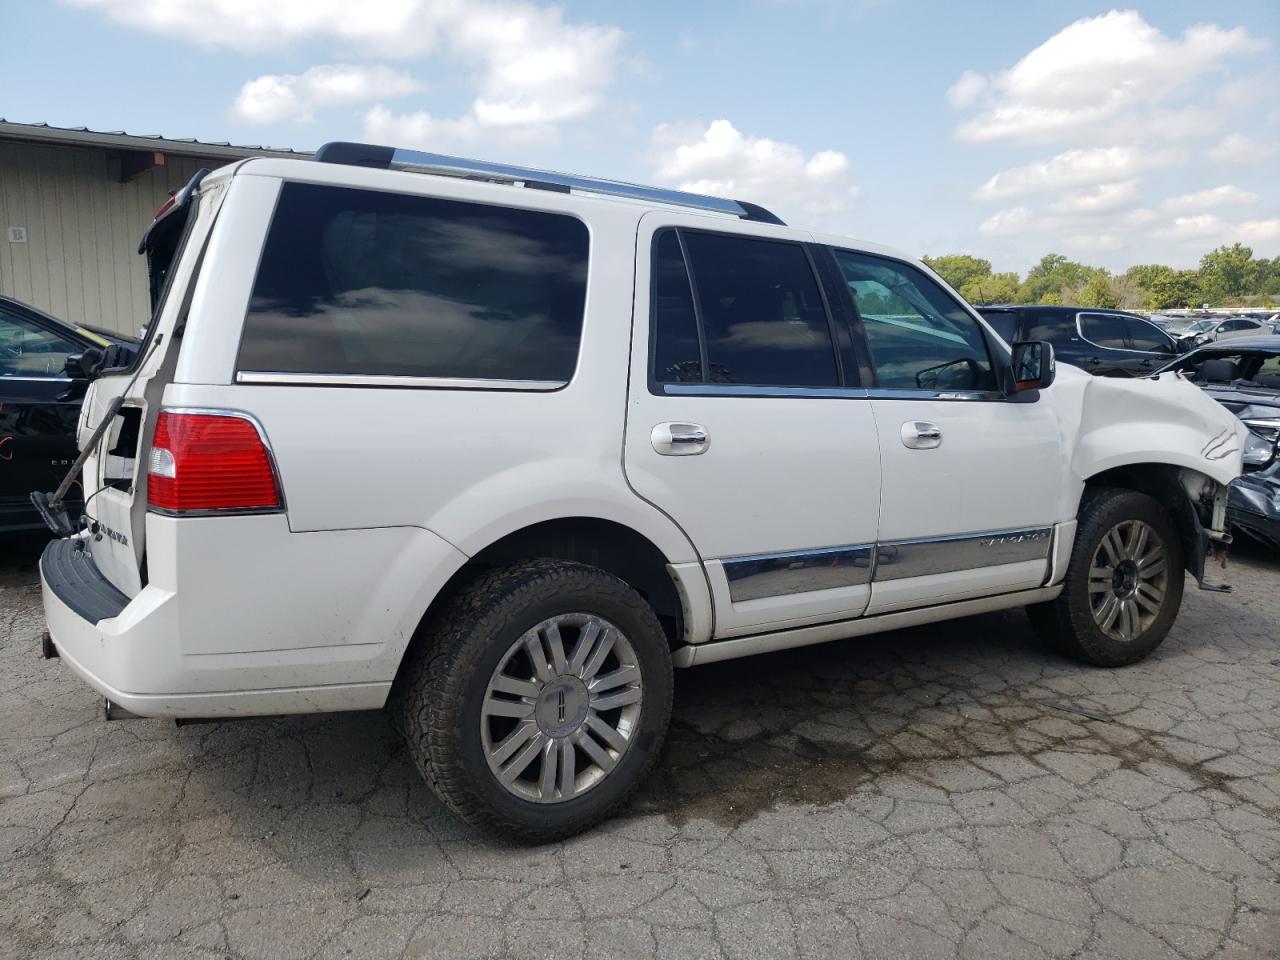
[
  {"x": 610, "y": 546},
  {"x": 1162, "y": 483}
]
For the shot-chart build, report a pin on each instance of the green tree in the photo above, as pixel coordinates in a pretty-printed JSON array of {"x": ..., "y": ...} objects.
[
  {"x": 996, "y": 288},
  {"x": 1097, "y": 292},
  {"x": 1177, "y": 288},
  {"x": 959, "y": 269},
  {"x": 1228, "y": 273},
  {"x": 1146, "y": 273},
  {"x": 1055, "y": 275}
]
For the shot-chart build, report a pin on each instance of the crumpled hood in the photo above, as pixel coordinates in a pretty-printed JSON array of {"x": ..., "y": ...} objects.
[{"x": 1163, "y": 419}]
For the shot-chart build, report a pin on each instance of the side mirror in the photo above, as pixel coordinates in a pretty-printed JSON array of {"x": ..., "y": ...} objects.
[
  {"x": 1033, "y": 365},
  {"x": 80, "y": 366}
]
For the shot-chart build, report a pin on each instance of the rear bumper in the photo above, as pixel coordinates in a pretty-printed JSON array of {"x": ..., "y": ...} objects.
[{"x": 255, "y": 638}]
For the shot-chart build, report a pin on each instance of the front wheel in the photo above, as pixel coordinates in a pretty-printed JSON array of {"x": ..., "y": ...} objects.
[
  {"x": 541, "y": 701},
  {"x": 1123, "y": 586}
]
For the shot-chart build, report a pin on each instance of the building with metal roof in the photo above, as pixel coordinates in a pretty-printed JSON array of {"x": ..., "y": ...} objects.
[{"x": 73, "y": 204}]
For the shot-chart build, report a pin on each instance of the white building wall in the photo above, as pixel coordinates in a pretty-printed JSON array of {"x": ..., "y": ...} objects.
[{"x": 80, "y": 260}]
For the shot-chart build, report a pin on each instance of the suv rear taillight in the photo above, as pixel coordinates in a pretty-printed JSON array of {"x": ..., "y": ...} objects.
[{"x": 210, "y": 463}]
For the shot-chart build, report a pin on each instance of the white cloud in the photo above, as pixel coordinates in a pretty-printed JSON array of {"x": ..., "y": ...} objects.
[
  {"x": 1072, "y": 168},
  {"x": 1010, "y": 222},
  {"x": 1239, "y": 150},
  {"x": 532, "y": 68},
  {"x": 1210, "y": 229},
  {"x": 276, "y": 97},
  {"x": 1207, "y": 199},
  {"x": 1091, "y": 72},
  {"x": 1100, "y": 199},
  {"x": 720, "y": 160},
  {"x": 967, "y": 89}
]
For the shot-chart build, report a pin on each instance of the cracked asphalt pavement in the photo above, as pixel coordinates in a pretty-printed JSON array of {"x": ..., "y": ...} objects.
[{"x": 949, "y": 791}]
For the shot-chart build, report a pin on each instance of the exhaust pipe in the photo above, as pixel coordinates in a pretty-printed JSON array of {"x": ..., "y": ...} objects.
[{"x": 113, "y": 711}]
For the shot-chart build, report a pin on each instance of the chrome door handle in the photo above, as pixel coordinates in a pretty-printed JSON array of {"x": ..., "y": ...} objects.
[
  {"x": 680, "y": 439},
  {"x": 921, "y": 435}
]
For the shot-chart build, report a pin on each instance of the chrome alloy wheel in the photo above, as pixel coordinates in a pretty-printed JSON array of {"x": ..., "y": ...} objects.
[
  {"x": 561, "y": 708},
  {"x": 1128, "y": 579}
]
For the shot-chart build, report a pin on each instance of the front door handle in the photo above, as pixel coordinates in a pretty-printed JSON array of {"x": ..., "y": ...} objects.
[
  {"x": 680, "y": 439},
  {"x": 921, "y": 435}
]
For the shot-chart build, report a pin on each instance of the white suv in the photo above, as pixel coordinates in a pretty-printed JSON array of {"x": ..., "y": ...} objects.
[{"x": 497, "y": 448}]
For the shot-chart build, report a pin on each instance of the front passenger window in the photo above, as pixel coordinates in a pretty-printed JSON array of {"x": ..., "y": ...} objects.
[
  {"x": 28, "y": 351},
  {"x": 920, "y": 338}
]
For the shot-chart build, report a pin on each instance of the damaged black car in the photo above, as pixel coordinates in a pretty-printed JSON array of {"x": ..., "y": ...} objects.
[{"x": 1243, "y": 375}]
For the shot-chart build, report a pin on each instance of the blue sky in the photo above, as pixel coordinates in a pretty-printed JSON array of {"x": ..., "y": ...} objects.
[{"x": 1008, "y": 130}]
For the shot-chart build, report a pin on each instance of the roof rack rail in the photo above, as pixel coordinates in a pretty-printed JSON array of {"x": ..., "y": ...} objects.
[{"x": 393, "y": 158}]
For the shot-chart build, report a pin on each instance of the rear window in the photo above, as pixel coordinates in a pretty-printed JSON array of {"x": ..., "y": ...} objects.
[{"x": 384, "y": 284}]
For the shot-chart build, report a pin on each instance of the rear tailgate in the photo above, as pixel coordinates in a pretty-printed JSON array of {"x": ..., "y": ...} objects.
[{"x": 114, "y": 476}]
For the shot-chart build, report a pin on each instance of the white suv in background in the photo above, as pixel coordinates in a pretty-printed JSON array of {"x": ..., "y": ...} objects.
[{"x": 498, "y": 447}]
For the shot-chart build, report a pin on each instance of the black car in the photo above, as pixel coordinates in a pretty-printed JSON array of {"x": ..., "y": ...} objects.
[
  {"x": 1109, "y": 343},
  {"x": 39, "y": 404},
  {"x": 1243, "y": 375}
]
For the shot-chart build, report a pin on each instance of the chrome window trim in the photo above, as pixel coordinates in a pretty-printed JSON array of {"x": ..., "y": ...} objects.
[
  {"x": 1122, "y": 316},
  {"x": 60, "y": 377},
  {"x": 927, "y": 556},
  {"x": 371, "y": 380},
  {"x": 747, "y": 390},
  {"x": 840, "y": 393},
  {"x": 774, "y": 574}
]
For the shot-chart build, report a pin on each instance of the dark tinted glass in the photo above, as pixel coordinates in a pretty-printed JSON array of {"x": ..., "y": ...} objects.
[
  {"x": 1053, "y": 326},
  {"x": 1105, "y": 330},
  {"x": 762, "y": 313},
  {"x": 1144, "y": 336},
  {"x": 356, "y": 281},
  {"x": 675, "y": 338},
  {"x": 1003, "y": 322},
  {"x": 920, "y": 338}
]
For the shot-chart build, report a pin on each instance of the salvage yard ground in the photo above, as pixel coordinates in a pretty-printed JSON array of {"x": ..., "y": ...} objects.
[{"x": 948, "y": 791}]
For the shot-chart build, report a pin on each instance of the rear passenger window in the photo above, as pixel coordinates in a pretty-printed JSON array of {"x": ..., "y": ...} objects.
[
  {"x": 762, "y": 314},
  {"x": 1105, "y": 330},
  {"x": 385, "y": 284}
]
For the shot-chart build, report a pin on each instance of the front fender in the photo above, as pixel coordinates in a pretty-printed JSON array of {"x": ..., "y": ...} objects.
[{"x": 1157, "y": 420}]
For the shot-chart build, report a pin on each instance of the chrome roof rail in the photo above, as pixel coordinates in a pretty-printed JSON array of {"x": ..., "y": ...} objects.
[{"x": 392, "y": 158}]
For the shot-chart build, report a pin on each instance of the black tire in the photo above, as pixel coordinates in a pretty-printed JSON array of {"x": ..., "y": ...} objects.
[
  {"x": 445, "y": 682},
  {"x": 1068, "y": 623}
]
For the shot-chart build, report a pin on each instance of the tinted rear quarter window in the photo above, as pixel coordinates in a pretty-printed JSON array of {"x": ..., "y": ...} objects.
[{"x": 386, "y": 284}]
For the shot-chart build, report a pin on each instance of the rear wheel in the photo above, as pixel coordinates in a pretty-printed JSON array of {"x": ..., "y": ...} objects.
[
  {"x": 1123, "y": 586},
  {"x": 541, "y": 701}
]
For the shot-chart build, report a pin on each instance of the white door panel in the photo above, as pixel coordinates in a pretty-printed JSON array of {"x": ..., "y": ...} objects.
[
  {"x": 766, "y": 480},
  {"x": 996, "y": 466}
]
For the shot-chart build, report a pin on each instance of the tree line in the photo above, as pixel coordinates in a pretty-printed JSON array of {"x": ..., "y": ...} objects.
[{"x": 1227, "y": 276}]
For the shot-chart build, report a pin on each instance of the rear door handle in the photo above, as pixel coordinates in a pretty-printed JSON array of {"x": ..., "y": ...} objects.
[
  {"x": 680, "y": 439},
  {"x": 921, "y": 435}
]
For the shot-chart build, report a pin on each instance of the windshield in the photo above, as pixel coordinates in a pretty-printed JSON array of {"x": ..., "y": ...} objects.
[
  {"x": 1248, "y": 369},
  {"x": 1202, "y": 326}
]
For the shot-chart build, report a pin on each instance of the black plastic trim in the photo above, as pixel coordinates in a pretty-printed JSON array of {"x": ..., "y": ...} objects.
[{"x": 69, "y": 571}]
